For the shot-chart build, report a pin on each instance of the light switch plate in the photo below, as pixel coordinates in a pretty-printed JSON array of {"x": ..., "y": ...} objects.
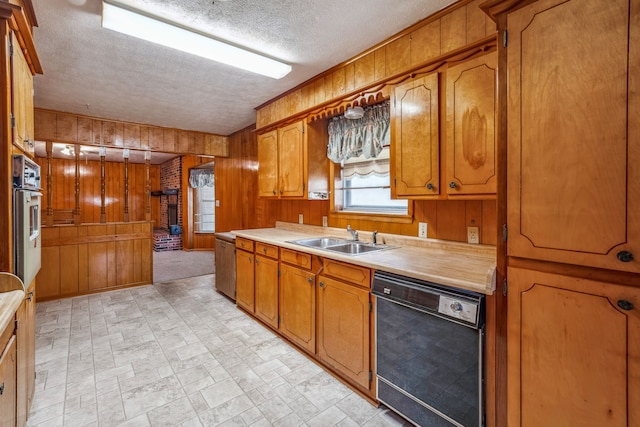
[
  {"x": 324, "y": 221},
  {"x": 422, "y": 230},
  {"x": 473, "y": 235},
  {"x": 217, "y": 203},
  {"x": 300, "y": 219}
]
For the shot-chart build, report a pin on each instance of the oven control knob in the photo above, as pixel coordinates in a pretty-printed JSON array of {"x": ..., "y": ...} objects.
[{"x": 456, "y": 307}]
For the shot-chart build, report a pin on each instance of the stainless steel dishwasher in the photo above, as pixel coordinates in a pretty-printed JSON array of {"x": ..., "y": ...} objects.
[
  {"x": 429, "y": 351},
  {"x": 226, "y": 264}
]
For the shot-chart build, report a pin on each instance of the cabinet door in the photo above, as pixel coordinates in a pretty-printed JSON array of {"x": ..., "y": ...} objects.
[
  {"x": 573, "y": 128},
  {"x": 471, "y": 126},
  {"x": 8, "y": 384},
  {"x": 292, "y": 160},
  {"x": 22, "y": 90},
  {"x": 244, "y": 280},
  {"x": 26, "y": 350},
  {"x": 415, "y": 142},
  {"x": 343, "y": 329},
  {"x": 268, "y": 164},
  {"x": 298, "y": 306},
  {"x": 266, "y": 283},
  {"x": 573, "y": 351}
]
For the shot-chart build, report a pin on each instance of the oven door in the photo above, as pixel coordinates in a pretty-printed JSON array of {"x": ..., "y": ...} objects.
[
  {"x": 27, "y": 239},
  {"x": 429, "y": 368}
]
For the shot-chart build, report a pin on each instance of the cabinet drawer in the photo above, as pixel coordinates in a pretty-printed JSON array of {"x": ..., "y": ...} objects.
[
  {"x": 244, "y": 244},
  {"x": 348, "y": 272},
  {"x": 267, "y": 250},
  {"x": 295, "y": 258}
]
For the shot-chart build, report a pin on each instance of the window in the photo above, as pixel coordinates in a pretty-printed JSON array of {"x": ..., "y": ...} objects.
[
  {"x": 204, "y": 200},
  {"x": 363, "y": 185},
  {"x": 204, "y": 209}
]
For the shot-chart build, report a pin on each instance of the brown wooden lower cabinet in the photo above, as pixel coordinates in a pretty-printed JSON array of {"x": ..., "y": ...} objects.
[
  {"x": 8, "y": 377},
  {"x": 92, "y": 257},
  {"x": 573, "y": 351},
  {"x": 26, "y": 354},
  {"x": 298, "y": 306},
  {"x": 266, "y": 290},
  {"x": 244, "y": 280},
  {"x": 328, "y": 316},
  {"x": 344, "y": 329}
]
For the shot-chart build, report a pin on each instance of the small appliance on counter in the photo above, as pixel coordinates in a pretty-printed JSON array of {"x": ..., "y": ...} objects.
[
  {"x": 226, "y": 264},
  {"x": 26, "y": 218}
]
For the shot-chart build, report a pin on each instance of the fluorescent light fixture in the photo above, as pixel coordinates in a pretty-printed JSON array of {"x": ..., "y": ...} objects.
[{"x": 126, "y": 21}]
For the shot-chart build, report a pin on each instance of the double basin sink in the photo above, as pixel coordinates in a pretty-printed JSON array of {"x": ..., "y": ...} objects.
[{"x": 342, "y": 246}]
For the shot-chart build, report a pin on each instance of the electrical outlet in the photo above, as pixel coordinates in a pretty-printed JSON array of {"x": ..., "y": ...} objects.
[
  {"x": 300, "y": 219},
  {"x": 422, "y": 230},
  {"x": 324, "y": 221},
  {"x": 473, "y": 236},
  {"x": 217, "y": 203}
]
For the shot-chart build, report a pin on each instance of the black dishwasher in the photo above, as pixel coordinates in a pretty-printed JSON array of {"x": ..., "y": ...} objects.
[{"x": 429, "y": 351}]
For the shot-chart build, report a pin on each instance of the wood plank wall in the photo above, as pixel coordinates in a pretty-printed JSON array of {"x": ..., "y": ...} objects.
[
  {"x": 63, "y": 189},
  {"x": 240, "y": 207}
]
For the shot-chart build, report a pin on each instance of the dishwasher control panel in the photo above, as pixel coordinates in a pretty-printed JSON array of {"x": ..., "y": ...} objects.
[{"x": 458, "y": 309}]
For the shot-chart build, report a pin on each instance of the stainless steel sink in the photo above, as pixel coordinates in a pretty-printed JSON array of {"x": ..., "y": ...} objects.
[{"x": 343, "y": 246}]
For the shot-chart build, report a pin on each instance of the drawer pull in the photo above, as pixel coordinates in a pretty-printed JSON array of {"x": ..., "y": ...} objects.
[
  {"x": 625, "y": 256},
  {"x": 310, "y": 280},
  {"x": 264, "y": 250},
  {"x": 625, "y": 305}
]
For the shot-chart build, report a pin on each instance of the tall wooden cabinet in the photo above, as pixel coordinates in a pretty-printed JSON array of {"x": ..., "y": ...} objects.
[
  {"x": 22, "y": 99},
  {"x": 570, "y": 91},
  {"x": 573, "y": 131}
]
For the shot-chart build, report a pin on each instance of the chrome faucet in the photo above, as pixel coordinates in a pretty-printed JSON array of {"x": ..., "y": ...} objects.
[
  {"x": 374, "y": 237},
  {"x": 353, "y": 232}
]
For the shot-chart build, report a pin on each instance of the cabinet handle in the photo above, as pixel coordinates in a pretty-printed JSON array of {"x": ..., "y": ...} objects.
[
  {"x": 309, "y": 279},
  {"x": 625, "y": 256},
  {"x": 30, "y": 296},
  {"x": 257, "y": 261},
  {"x": 2, "y": 389},
  {"x": 274, "y": 192},
  {"x": 453, "y": 184},
  {"x": 430, "y": 186},
  {"x": 321, "y": 284},
  {"x": 280, "y": 191},
  {"x": 250, "y": 260},
  {"x": 264, "y": 250},
  {"x": 625, "y": 305}
]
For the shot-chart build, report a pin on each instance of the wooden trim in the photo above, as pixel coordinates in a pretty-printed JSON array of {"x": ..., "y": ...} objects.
[
  {"x": 374, "y": 48},
  {"x": 19, "y": 23},
  {"x": 494, "y": 8},
  {"x": 480, "y": 47}
]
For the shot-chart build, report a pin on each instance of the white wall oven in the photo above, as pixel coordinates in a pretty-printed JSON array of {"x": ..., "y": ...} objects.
[{"x": 27, "y": 201}]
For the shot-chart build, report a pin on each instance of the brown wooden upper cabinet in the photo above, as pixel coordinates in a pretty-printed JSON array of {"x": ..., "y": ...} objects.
[
  {"x": 573, "y": 132},
  {"x": 22, "y": 100},
  {"x": 415, "y": 138},
  {"x": 282, "y": 162},
  {"x": 470, "y": 135}
]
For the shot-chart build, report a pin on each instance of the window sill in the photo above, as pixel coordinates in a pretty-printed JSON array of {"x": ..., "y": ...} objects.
[{"x": 370, "y": 216}]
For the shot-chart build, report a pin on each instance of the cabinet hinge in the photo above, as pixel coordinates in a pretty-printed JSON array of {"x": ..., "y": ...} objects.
[
  {"x": 12, "y": 120},
  {"x": 10, "y": 43},
  {"x": 504, "y": 287},
  {"x": 370, "y": 307},
  {"x": 505, "y": 38},
  {"x": 303, "y": 186},
  {"x": 505, "y": 232},
  {"x": 278, "y": 272},
  {"x": 302, "y": 126},
  {"x": 16, "y": 324},
  {"x": 370, "y": 376},
  {"x": 395, "y": 183}
]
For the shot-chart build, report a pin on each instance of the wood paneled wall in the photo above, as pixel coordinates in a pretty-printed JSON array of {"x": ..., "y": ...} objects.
[
  {"x": 63, "y": 189},
  {"x": 240, "y": 208}
]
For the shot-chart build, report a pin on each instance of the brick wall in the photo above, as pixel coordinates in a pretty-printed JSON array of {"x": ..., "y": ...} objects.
[{"x": 170, "y": 178}]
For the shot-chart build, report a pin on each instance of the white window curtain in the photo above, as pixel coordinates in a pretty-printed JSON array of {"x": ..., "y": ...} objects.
[
  {"x": 199, "y": 178},
  {"x": 360, "y": 137}
]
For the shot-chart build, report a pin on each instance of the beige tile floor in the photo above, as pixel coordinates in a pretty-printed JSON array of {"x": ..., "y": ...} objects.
[{"x": 179, "y": 354}]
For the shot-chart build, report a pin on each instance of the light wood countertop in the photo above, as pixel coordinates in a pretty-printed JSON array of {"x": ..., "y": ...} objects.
[
  {"x": 459, "y": 265},
  {"x": 9, "y": 303}
]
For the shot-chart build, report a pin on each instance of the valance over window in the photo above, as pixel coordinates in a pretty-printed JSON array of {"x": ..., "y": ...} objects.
[
  {"x": 199, "y": 178},
  {"x": 360, "y": 137}
]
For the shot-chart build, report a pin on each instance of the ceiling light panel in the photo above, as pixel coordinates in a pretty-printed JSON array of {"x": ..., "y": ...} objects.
[{"x": 126, "y": 21}]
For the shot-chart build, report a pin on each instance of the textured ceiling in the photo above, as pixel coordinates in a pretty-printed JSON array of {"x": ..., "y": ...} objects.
[{"x": 93, "y": 71}]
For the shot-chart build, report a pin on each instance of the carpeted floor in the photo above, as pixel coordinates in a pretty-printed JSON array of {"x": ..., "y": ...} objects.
[{"x": 172, "y": 265}]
